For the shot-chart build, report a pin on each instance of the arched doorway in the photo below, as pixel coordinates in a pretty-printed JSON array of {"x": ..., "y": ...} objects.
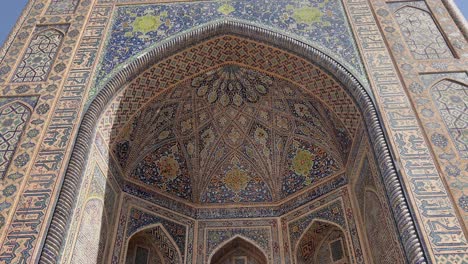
[
  {"x": 152, "y": 245},
  {"x": 323, "y": 243},
  {"x": 238, "y": 251},
  {"x": 161, "y": 162}
]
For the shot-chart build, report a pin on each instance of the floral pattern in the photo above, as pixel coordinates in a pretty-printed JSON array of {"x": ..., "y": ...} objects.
[
  {"x": 229, "y": 151},
  {"x": 232, "y": 85},
  {"x": 307, "y": 164}
]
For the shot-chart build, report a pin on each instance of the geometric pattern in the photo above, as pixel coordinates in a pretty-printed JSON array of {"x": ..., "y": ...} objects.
[
  {"x": 218, "y": 149},
  {"x": 40, "y": 54},
  {"x": 385, "y": 246},
  {"x": 62, "y": 7},
  {"x": 139, "y": 220},
  {"x": 219, "y": 51},
  {"x": 420, "y": 32},
  {"x": 90, "y": 241},
  {"x": 139, "y": 26},
  {"x": 158, "y": 238},
  {"x": 14, "y": 116},
  {"x": 225, "y": 9},
  {"x": 375, "y": 216},
  {"x": 238, "y": 251},
  {"x": 316, "y": 245},
  {"x": 451, "y": 99},
  {"x": 166, "y": 169},
  {"x": 334, "y": 211}
]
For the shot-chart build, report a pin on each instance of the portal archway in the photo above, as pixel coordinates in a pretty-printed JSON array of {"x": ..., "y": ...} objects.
[
  {"x": 152, "y": 245},
  {"x": 238, "y": 250},
  {"x": 323, "y": 242},
  {"x": 360, "y": 98}
]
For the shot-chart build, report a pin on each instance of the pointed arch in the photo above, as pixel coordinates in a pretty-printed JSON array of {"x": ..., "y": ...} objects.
[
  {"x": 40, "y": 55},
  {"x": 89, "y": 244},
  {"x": 240, "y": 243},
  {"x": 421, "y": 34},
  {"x": 166, "y": 249},
  {"x": 451, "y": 97},
  {"x": 308, "y": 247},
  {"x": 14, "y": 117},
  {"x": 67, "y": 198}
]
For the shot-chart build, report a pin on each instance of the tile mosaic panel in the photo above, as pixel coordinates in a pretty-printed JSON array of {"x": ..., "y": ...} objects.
[
  {"x": 62, "y": 7},
  {"x": 221, "y": 136},
  {"x": 443, "y": 233},
  {"x": 61, "y": 97},
  {"x": 40, "y": 54},
  {"x": 323, "y": 243},
  {"x": 420, "y": 31},
  {"x": 137, "y": 215},
  {"x": 306, "y": 165},
  {"x": 236, "y": 212},
  {"x": 235, "y": 50},
  {"x": 165, "y": 168},
  {"x": 262, "y": 233},
  {"x": 451, "y": 99},
  {"x": 94, "y": 217},
  {"x": 14, "y": 117},
  {"x": 138, "y": 27},
  {"x": 141, "y": 219},
  {"x": 448, "y": 118},
  {"x": 377, "y": 220},
  {"x": 334, "y": 209},
  {"x": 77, "y": 78},
  {"x": 158, "y": 237}
]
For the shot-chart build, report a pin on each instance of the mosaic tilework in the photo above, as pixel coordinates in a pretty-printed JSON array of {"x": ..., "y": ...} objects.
[
  {"x": 137, "y": 27},
  {"x": 451, "y": 99},
  {"x": 261, "y": 236},
  {"x": 443, "y": 143},
  {"x": 423, "y": 179},
  {"x": 307, "y": 164},
  {"x": 14, "y": 116},
  {"x": 330, "y": 209},
  {"x": 52, "y": 126},
  {"x": 239, "y": 251},
  {"x": 237, "y": 183},
  {"x": 40, "y": 54},
  {"x": 377, "y": 221},
  {"x": 420, "y": 31},
  {"x": 92, "y": 226},
  {"x": 78, "y": 80},
  {"x": 62, "y": 7},
  {"x": 159, "y": 238},
  {"x": 315, "y": 245},
  {"x": 263, "y": 210},
  {"x": 208, "y": 145},
  {"x": 262, "y": 233},
  {"x": 333, "y": 213},
  {"x": 219, "y": 51},
  {"x": 134, "y": 219},
  {"x": 167, "y": 169},
  {"x": 140, "y": 219}
]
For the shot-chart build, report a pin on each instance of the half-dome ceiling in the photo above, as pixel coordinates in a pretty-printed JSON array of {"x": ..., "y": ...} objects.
[{"x": 232, "y": 134}]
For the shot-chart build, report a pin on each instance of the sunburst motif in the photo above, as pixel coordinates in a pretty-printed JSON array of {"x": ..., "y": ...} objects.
[{"x": 232, "y": 85}]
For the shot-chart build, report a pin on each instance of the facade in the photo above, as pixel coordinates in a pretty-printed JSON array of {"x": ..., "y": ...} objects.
[{"x": 234, "y": 131}]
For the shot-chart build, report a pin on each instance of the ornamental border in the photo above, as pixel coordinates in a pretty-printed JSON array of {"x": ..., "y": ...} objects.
[{"x": 401, "y": 209}]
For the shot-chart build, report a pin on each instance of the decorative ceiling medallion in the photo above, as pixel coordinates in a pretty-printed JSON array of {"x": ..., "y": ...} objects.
[{"x": 232, "y": 84}]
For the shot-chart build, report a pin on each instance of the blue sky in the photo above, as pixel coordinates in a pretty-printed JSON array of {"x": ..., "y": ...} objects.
[{"x": 11, "y": 9}]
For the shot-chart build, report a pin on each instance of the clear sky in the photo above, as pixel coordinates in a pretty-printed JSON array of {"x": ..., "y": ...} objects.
[{"x": 11, "y": 9}]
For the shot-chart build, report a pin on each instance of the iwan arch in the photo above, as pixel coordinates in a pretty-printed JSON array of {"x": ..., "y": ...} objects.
[{"x": 234, "y": 140}]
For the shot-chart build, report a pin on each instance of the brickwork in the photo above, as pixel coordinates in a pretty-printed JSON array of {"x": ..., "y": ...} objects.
[{"x": 83, "y": 81}]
